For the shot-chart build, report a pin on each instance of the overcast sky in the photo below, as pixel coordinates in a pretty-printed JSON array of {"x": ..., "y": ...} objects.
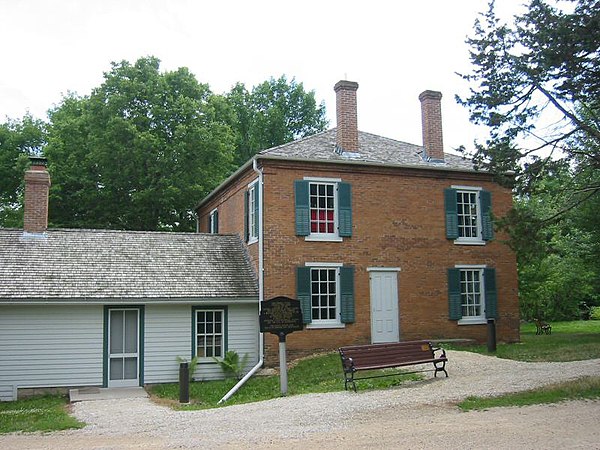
[{"x": 393, "y": 49}]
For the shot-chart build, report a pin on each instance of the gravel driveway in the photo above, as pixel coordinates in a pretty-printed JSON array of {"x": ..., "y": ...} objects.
[{"x": 415, "y": 415}]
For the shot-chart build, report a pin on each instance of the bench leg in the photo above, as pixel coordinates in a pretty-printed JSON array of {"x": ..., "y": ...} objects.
[
  {"x": 440, "y": 369},
  {"x": 348, "y": 380}
]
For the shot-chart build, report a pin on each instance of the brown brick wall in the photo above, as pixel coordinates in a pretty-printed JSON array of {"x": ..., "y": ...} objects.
[
  {"x": 398, "y": 221},
  {"x": 230, "y": 204}
]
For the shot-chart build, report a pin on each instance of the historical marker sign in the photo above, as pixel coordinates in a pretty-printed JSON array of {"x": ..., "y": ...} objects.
[{"x": 280, "y": 315}]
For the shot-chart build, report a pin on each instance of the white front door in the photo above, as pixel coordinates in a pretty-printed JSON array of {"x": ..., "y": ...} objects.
[
  {"x": 123, "y": 347},
  {"x": 384, "y": 305}
]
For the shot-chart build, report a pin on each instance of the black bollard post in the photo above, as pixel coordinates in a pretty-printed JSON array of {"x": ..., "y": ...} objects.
[
  {"x": 184, "y": 382},
  {"x": 491, "y": 335}
]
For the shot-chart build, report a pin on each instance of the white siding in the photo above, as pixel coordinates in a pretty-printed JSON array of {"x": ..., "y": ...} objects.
[
  {"x": 242, "y": 337},
  {"x": 50, "y": 346},
  {"x": 243, "y": 332},
  {"x": 168, "y": 334}
]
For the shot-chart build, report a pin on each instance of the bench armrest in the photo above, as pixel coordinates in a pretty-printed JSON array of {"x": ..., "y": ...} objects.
[{"x": 437, "y": 349}]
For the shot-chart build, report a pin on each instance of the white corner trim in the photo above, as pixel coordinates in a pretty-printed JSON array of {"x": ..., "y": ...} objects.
[{"x": 383, "y": 269}]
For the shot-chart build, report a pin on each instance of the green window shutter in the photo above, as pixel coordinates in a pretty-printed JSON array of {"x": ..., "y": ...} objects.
[
  {"x": 302, "y": 207},
  {"x": 246, "y": 227},
  {"x": 487, "y": 225},
  {"x": 451, "y": 213},
  {"x": 491, "y": 294},
  {"x": 347, "y": 294},
  {"x": 345, "y": 209},
  {"x": 216, "y": 221},
  {"x": 454, "y": 298},
  {"x": 303, "y": 292}
]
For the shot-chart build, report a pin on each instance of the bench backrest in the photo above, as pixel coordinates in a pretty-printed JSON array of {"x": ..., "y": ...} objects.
[{"x": 393, "y": 353}]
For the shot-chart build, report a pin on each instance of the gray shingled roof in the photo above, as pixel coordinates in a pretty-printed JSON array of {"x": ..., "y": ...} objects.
[
  {"x": 97, "y": 264},
  {"x": 373, "y": 149}
]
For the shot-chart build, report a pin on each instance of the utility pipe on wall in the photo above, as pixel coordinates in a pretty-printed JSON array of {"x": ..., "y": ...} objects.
[{"x": 260, "y": 362}]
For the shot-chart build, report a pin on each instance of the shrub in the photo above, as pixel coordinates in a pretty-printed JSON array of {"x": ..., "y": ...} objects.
[
  {"x": 232, "y": 365},
  {"x": 595, "y": 313}
]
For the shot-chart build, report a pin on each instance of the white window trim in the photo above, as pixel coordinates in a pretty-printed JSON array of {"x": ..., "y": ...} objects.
[
  {"x": 208, "y": 359},
  {"x": 252, "y": 239},
  {"x": 478, "y": 240},
  {"x": 329, "y": 323},
  {"x": 212, "y": 221},
  {"x": 327, "y": 237},
  {"x": 384, "y": 269},
  {"x": 480, "y": 320}
]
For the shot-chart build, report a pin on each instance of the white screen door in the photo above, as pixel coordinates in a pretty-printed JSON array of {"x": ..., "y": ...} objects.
[{"x": 123, "y": 337}]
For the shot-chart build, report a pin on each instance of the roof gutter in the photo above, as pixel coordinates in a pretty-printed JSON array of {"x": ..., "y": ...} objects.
[{"x": 260, "y": 362}]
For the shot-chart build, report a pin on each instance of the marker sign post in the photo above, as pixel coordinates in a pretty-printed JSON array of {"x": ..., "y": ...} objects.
[{"x": 281, "y": 316}]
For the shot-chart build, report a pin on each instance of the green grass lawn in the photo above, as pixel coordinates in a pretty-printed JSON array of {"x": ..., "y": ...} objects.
[
  {"x": 37, "y": 414},
  {"x": 583, "y": 388},
  {"x": 321, "y": 373},
  {"x": 569, "y": 341}
]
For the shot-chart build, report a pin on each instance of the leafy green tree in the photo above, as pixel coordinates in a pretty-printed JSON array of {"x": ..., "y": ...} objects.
[
  {"x": 536, "y": 85},
  {"x": 543, "y": 68},
  {"x": 557, "y": 260},
  {"x": 273, "y": 113},
  {"x": 18, "y": 140},
  {"x": 139, "y": 151}
]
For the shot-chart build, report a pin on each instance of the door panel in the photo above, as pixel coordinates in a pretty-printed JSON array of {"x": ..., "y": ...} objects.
[{"x": 384, "y": 307}]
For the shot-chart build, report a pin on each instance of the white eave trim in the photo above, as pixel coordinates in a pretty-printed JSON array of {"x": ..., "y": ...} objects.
[{"x": 133, "y": 301}]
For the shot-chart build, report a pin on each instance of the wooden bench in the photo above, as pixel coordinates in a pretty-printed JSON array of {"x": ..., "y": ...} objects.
[
  {"x": 384, "y": 356},
  {"x": 542, "y": 327}
]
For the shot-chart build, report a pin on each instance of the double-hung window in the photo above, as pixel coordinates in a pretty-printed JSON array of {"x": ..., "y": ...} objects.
[
  {"x": 213, "y": 221},
  {"x": 209, "y": 326},
  {"x": 468, "y": 215},
  {"x": 323, "y": 208},
  {"x": 323, "y": 218},
  {"x": 326, "y": 294},
  {"x": 251, "y": 223},
  {"x": 472, "y": 294}
]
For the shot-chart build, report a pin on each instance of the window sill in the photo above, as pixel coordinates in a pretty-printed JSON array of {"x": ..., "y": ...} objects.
[
  {"x": 252, "y": 241},
  {"x": 461, "y": 242},
  {"x": 323, "y": 239},
  {"x": 474, "y": 321},
  {"x": 315, "y": 326}
]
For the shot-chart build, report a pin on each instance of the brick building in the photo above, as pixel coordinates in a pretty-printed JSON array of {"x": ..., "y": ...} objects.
[{"x": 379, "y": 240}]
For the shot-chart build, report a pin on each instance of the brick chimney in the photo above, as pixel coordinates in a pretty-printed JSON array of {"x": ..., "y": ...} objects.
[
  {"x": 431, "y": 116},
  {"x": 347, "y": 124},
  {"x": 37, "y": 187}
]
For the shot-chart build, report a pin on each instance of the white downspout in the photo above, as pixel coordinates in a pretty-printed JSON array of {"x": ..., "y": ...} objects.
[{"x": 260, "y": 362}]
